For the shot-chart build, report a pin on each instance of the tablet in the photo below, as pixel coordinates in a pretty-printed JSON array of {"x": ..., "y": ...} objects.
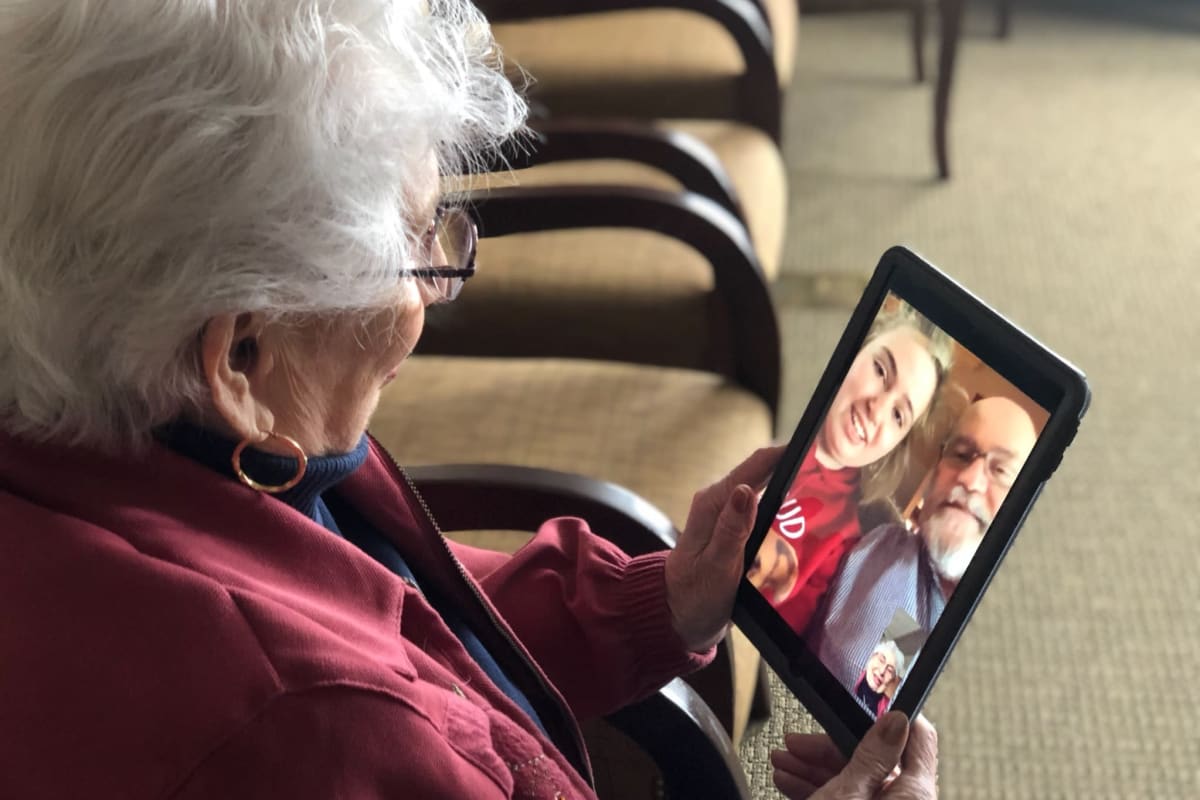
[{"x": 931, "y": 433}]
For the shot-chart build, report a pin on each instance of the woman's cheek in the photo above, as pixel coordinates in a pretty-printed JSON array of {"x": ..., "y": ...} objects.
[
  {"x": 408, "y": 321},
  {"x": 413, "y": 323},
  {"x": 888, "y": 441}
]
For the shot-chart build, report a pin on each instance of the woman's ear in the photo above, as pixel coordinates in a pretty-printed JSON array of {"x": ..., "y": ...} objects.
[{"x": 233, "y": 362}]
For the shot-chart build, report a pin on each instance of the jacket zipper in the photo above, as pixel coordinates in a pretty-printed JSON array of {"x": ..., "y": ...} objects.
[{"x": 565, "y": 713}]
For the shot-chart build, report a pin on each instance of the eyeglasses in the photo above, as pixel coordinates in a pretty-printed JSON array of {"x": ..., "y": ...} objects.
[
  {"x": 889, "y": 670},
  {"x": 454, "y": 232},
  {"x": 1001, "y": 468}
]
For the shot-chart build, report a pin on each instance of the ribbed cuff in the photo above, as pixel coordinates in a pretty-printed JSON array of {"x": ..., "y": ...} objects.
[{"x": 660, "y": 651}]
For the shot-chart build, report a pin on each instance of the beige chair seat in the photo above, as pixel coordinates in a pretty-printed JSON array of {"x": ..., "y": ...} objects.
[
  {"x": 644, "y": 63},
  {"x": 618, "y": 294},
  {"x": 749, "y": 157},
  {"x": 662, "y": 433},
  {"x": 654, "y": 62}
]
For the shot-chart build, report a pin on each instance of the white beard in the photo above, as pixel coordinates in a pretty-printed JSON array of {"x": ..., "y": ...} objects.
[
  {"x": 951, "y": 554},
  {"x": 949, "y": 562}
]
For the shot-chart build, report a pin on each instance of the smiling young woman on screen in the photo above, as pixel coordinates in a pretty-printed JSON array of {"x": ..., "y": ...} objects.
[{"x": 892, "y": 388}]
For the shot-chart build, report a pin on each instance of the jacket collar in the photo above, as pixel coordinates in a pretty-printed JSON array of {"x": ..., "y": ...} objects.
[{"x": 170, "y": 507}]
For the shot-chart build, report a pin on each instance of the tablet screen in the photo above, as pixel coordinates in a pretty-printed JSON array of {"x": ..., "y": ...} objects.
[{"x": 910, "y": 463}]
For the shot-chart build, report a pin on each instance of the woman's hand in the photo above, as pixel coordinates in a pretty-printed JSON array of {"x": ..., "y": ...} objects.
[
  {"x": 704, "y": 568},
  {"x": 812, "y": 766}
]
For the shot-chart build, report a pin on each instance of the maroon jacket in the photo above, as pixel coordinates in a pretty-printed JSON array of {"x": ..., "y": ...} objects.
[{"x": 168, "y": 633}]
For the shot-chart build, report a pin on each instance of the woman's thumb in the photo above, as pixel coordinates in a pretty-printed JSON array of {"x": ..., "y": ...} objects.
[
  {"x": 734, "y": 524},
  {"x": 876, "y": 756}
]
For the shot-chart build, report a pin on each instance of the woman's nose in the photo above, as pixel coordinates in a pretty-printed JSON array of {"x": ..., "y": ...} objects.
[{"x": 875, "y": 407}]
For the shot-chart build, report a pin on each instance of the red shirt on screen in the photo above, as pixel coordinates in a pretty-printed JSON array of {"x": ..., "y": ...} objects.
[{"x": 819, "y": 518}]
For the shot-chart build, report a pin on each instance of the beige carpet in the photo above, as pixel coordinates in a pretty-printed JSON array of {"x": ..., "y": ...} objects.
[{"x": 1075, "y": 209}]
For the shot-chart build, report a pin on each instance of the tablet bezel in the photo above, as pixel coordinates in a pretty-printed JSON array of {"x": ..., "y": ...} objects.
[{"x": 1045, "y": 377}]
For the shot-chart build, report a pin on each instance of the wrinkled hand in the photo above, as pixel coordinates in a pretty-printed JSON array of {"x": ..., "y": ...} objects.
[
  {"x": 704, "y": 568},
  {"x": 812, "y": 766}
]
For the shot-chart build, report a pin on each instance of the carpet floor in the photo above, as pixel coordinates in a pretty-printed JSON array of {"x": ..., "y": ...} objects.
[{"x": 1075, "y": 210}]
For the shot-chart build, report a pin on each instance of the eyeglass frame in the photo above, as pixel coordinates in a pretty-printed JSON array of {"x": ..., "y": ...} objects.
[
  {"x": 976, "y": 454},
  {"x": 467, "y": 269}
]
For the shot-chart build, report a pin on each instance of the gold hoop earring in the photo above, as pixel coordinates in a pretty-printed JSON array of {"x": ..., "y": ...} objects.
[{"x": 262, "y": 487}]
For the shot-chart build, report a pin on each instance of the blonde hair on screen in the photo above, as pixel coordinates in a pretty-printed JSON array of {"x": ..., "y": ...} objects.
[{"x": 882, "y": 478}]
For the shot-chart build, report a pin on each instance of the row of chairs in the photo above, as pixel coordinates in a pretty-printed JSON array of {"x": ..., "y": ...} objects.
[{"x": 619, "y": 348}]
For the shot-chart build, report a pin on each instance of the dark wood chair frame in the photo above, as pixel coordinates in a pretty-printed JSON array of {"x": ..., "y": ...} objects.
[
  {"x": 1003, "y": 18},
  {"x": 680, "y": 155},
  {"x": 950, "y": 13},
  {"x": 760, "y": 101},
  {"x": 681, "y": 734},
  {"x": 691, "y": 218}
]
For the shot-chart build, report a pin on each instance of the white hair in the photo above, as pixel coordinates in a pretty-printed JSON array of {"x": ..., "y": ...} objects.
[
  {"x": 949, "y": 560},
  {"x": 888, "y": 647},
  {"x": 167, "y": 161}
]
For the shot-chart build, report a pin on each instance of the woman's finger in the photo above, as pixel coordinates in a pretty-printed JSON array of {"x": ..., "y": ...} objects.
[
  {"x": 815, "y": 747},
  {"x": 876, "y": 756},
  {"x": 815, "y": 773},
  {"x": 727, "y": 545},
  {"x": 918, "y": 775},
  {"x": 757, "y": 469},
  {"x": 708, "y": 503},
  {"x": 920, "y": 755},
  {"x": 792, "y": 787}
]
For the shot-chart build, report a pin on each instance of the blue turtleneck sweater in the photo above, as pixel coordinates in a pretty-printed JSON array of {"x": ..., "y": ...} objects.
[{"x": 322, "y": 474}]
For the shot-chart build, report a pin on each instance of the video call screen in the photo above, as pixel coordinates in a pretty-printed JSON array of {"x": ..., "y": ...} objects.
[{"x": 913, "y": 458}]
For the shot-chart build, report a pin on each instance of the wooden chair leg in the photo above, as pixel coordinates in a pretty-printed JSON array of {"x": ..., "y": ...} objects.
[
  {"x": 760, "y": 706},
  {"x": 680, "y": 734},
  {"x": 1003, "y": 18},
  {"x": 918, "y": 39},
  {"x": 951, "y": 25}
]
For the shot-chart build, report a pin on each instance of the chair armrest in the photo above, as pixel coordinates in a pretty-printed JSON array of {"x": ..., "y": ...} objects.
[
  {"x": 683, "y": 737},
  {"x": 697, "y": 221},
  {"x": 505, "y": 497},
  {"x": 744, "y": 20},
  {"x": 682, "y": 156}
]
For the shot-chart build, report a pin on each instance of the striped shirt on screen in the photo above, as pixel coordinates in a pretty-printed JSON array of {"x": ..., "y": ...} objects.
[{"x": 886, "y": 571}]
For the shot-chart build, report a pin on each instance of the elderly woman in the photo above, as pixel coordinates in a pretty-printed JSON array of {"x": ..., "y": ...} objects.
[
  {"x": 219, "y": 230},
  {"x": 880, "y": 677}
]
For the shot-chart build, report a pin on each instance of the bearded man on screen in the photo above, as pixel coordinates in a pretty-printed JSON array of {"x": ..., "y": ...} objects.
[{"x": 890, "y": 569}]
